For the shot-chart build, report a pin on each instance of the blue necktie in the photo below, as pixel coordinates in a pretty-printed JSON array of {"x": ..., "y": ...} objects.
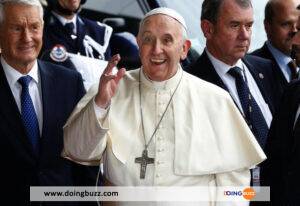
[
  {"x": 252, "y": 112},
  {"x": 28, "y": 114},
  {"x": 69, "y": 27}
]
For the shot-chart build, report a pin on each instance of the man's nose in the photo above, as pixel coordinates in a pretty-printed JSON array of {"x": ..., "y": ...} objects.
[
  {"x": 26, "y": 35},
  {"x": 157, "y": 47},
  {"x": 244, "y": 32}
]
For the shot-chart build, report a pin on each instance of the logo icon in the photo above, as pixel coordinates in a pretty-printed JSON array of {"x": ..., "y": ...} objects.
[
  {"x": 59, "y": 53},
  {"x": 249, "y": 193}
]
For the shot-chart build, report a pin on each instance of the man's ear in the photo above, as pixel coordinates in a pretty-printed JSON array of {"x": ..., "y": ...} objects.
[
  {"x": 207, "y": 28},
  {"x": 186, "y": 47}
]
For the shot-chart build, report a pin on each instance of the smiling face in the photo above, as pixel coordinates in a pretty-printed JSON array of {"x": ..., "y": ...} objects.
[
  {"x": 161, "y": 46},
  {"x": 21, "y": 35},
  {"x": 229, "y": 38}
]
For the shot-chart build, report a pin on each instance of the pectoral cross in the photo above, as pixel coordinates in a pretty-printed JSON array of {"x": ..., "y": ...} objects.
[{"x": 144, "y": 160}]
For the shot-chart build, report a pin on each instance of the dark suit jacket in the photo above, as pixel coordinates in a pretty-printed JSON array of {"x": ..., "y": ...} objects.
[
  {"x": 282, "y": 167},
  {"x": 258, "y": 67},
  {"x": 61, "y": 90},
  {"x": 280, "y": 80},
  {"x": 55, "y": 33}
]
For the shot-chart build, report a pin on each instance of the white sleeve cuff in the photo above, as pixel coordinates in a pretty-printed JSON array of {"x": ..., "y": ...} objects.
[{"x": 100, "y": 112}]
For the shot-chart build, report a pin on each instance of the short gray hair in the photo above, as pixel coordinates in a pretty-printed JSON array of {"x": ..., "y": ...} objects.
[
  {"x": 211, "y": 8},
  {"x": 23, "y": 2}
]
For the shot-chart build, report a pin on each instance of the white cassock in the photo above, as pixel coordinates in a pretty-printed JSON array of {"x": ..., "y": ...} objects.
[{"x": 202, "y": 140}]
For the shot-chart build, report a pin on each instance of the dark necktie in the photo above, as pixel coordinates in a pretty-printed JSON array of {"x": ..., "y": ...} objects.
[
  {"x": 252, "y": 112},
  {"x": 293, "y": 68},
  {"x": 69, "y": 27},
  {"x": 28, "y": 114}
]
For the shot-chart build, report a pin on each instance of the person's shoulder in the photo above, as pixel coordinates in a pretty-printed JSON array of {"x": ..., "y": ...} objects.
[
  {"x": 260, "y": 51},
  {"x": 201, "y": 62},
  {"x": 258, "y": 60},
  {"x": 94, "y": 24},
  {"x": 203, "y": 87},
  {"x": 58, "y": 70},
  {"x": 260, "y": 64}
]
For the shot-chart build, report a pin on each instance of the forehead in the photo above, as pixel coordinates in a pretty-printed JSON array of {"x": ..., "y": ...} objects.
[
  {"x": 160, "y": 23},
  {"x": 19, "y": 12},
  {"x": 230, "y": 10},
  {"x": 286, "y": 9}
]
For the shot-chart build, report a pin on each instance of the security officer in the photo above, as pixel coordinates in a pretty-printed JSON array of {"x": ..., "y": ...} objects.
[{"x": 66, "y": 32}]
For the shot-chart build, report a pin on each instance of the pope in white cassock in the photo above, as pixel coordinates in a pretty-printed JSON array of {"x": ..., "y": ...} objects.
[{"x": 158, "y": 125}]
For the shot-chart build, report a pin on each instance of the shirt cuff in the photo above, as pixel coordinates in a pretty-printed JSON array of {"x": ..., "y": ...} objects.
[{"x": 100, "y": 112}]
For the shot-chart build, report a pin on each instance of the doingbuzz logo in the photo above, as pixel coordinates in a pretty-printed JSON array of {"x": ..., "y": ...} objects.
[{"x": 247, "y": 194}]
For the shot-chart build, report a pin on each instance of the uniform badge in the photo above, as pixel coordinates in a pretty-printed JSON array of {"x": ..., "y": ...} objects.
[{"x": 59, "y": 53}]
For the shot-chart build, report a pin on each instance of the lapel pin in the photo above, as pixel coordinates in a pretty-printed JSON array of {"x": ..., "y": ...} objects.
[{"x": 261, "y": 75}]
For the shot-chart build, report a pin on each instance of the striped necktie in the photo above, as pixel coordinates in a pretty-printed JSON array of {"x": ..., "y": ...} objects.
[
  {"x": 252, "y": 112},
  {"x": 293, "y": 68}
]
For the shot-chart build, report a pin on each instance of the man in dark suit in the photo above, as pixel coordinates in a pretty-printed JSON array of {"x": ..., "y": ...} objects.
[
  {"x": 226, "y": 24},
  {"x": 280, "y": 24},
  {"x": 36, "y": 100},
  {"x": 281, "y": 170},
  {"x": 66, "y": 31}
]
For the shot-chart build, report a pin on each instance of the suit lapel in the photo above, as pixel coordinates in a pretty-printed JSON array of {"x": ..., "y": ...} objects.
[
  {"x": 294, "y": 107},
  {"x": 81, "y": 32},
  {"x": 48, "y": 96},
  {"x": 276, "y": 69},
  {"x": 210, "y": 73},
  {"x": 11, "y": 118},
  {"x": 259, "y": 79}
]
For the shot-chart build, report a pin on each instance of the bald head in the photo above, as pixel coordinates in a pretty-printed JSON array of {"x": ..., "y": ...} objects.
[
  {"x": 281, "y": 18},
  {"x": 273, "y": 6}
]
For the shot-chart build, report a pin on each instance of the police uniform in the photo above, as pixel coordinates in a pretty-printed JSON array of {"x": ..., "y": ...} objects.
[{"x": 91, "y": 39}]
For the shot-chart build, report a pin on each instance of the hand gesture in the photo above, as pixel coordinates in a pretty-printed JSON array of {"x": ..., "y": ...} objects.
[{"x": 108, "y": 82}]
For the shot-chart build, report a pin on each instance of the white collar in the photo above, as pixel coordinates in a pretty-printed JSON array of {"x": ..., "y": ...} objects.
[
  {"x": 63, "y": 20},
  {"x": 13, "y": 75},
  {"x": 279, "y": 56},
  {"x": 221, "y": 67},
  {"x": 163, "y": 85}
]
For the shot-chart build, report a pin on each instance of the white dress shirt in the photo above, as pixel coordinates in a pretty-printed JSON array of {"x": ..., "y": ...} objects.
[
  {"x": 12, "y": 76},
  {"x": 222, "y": 70}
]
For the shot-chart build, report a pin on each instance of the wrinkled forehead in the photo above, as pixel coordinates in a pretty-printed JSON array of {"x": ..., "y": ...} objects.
[
  {"x": 159, "y": 20},
  {"x": 167, "y": 12}
]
